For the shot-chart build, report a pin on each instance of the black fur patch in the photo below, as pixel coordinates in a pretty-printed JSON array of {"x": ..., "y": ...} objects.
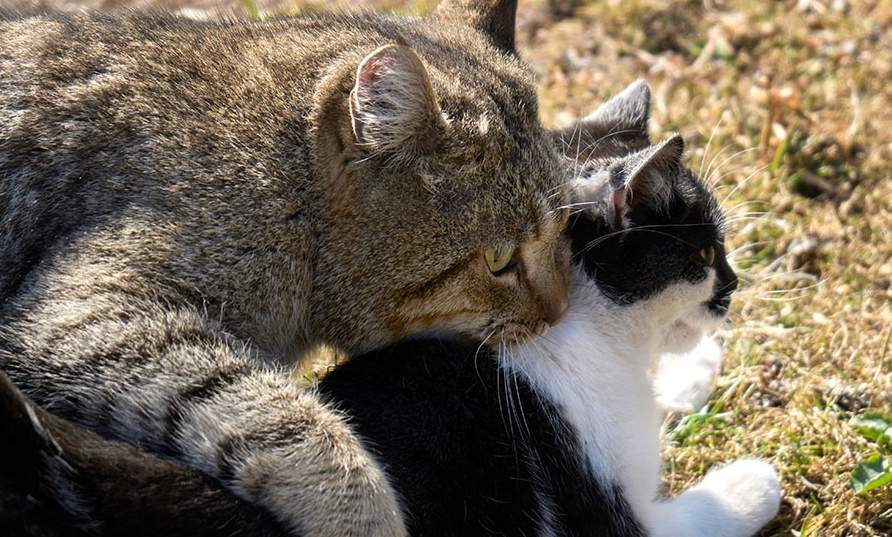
[{"x": 469, "y": 451}]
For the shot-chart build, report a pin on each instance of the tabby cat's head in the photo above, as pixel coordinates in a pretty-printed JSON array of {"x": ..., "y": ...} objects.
[
  {"x": 650, "y": 234},
  {"x": 445, "y": 196}
]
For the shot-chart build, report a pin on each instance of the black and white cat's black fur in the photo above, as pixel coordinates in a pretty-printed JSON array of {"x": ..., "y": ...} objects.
[{"x": 560, "y": 435}]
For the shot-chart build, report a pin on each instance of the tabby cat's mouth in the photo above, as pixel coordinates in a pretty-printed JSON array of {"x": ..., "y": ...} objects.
[{"x": 518, "y": 334}]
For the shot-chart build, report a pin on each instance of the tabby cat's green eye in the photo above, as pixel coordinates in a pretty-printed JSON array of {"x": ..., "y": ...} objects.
[
  {"x": 497, "y": 259},
  {"x": 708, "y": 255}
]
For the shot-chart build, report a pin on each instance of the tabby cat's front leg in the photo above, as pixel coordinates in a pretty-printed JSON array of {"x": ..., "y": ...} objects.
[
  {"x": 285, "y": 450},
  {"x": 172, "y": 382}
]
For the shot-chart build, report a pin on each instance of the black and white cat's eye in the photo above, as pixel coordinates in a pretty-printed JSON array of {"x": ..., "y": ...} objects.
[
  {"x": 708, "y": 255},
  {"x": 498, "y": 259}
]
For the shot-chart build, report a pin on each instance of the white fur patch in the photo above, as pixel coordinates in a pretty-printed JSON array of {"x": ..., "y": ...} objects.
[
  {"x": 684, "y": 381},
  {"x": 733, "y": 501},
  {"x": 594, "y": 367}
]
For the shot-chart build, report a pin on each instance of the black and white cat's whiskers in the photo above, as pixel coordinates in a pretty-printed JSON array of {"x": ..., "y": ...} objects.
[
  {"x": 751, "y": 288},
  {"x": 714, "y": 175}
]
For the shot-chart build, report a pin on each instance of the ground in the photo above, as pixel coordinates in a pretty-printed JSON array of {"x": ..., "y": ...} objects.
[{"x": 786, "y": 108}]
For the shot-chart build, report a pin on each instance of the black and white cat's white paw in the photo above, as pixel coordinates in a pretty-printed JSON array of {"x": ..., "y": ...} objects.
[
  {"x": 683, "y": 382},
  {"x": 736, "y": 500}
]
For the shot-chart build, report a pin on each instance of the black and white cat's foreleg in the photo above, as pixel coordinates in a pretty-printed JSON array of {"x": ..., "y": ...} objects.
[
  {"x": 735, "y": 500},
  {"x": 683, "y": 382}
]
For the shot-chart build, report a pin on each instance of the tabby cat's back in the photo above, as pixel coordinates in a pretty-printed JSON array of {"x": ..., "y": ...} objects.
[
  {"x": 183, "y": 202},
  {"x": 222, "y": 161}
]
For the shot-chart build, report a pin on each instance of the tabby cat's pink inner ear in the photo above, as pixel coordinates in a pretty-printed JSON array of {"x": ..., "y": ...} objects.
[{"x": 392, "y": 101}]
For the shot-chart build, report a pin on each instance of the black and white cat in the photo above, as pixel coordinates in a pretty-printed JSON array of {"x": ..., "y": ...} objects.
[{"x": 560, "y": 435}]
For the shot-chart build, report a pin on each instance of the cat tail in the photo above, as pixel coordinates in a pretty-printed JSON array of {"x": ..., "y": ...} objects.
[
  {"x": 736, "y": 500},
  {"x": 60, "y": 479},
  {"x": 174, "y": 383}
]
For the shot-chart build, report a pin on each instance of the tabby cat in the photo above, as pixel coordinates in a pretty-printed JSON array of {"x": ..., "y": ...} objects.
[
  {"x": 560, "y": 435},
  {"x": 185, "y": 205}
]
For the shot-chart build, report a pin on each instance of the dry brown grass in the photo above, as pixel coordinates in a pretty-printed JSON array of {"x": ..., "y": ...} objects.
[{"x": 786, "y": 108}]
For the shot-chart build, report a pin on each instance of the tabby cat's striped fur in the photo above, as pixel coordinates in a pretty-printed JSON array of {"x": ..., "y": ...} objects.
[{"x": 185, "y": 205}]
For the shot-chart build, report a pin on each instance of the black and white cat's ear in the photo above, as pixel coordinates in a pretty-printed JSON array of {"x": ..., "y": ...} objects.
[
  {"x": 393, "y": 105},
  {"x": 648, "y": 175},
  {"x": 495, "y": 18},
  {"x": 626, "y": 112},
  {"x": 621, "y": 118},
  {"x": 644, "y": 176}
]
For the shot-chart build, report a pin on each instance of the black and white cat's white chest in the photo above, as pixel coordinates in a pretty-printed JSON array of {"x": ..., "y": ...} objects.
[{"x": 472, "y": 448}]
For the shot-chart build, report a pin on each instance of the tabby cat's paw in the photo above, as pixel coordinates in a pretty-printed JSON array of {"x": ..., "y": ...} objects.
[
  {"x": 318, "y": 499},
  {"x": 320, "y": 481},
  {"x": 683, "y": 382},
  {"x": 733, "y": 501}
]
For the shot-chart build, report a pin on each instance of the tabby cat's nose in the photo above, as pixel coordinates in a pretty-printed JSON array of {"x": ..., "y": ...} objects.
[{"x": 558, "y": 312}]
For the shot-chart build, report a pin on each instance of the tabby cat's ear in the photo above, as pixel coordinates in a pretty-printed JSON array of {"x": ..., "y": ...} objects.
[
  {"x": 495, "y": 18},
  {"x": 392, "y": 105}
]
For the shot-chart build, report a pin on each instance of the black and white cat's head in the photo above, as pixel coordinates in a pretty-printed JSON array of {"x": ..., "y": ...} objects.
[{"x": 648, "y": 233}]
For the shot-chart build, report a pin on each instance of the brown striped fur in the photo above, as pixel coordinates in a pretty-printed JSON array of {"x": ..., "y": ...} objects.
[{"x": 186, "y": 205}]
